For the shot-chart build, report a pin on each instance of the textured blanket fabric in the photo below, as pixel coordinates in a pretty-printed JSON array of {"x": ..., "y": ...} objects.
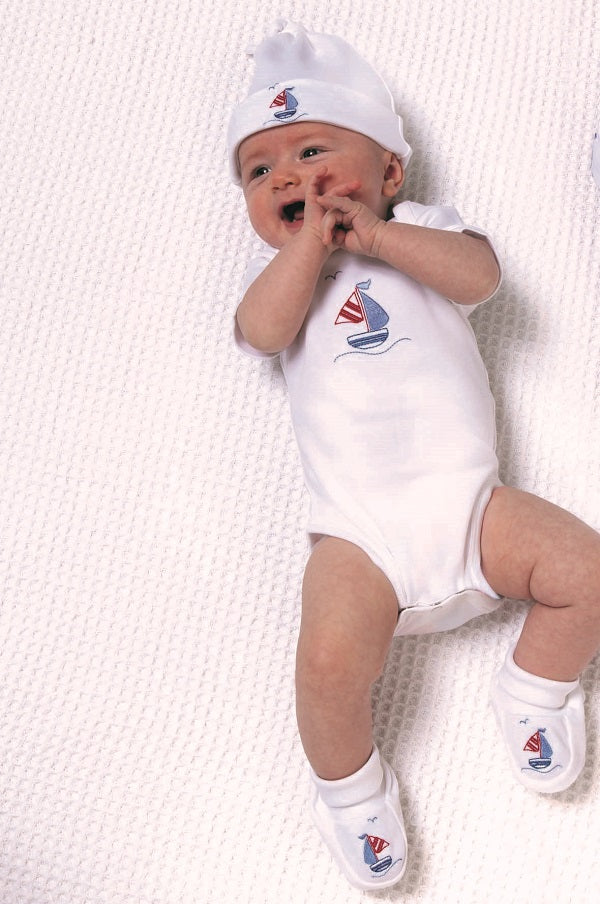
[{"x": 152, "y": 509}]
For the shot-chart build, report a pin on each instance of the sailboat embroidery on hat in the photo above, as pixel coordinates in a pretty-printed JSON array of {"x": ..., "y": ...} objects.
[
  {"x": 289, "y": 103},
  {"x": 362, "y": 308},
  {"x": 285, "y": 106},
  {"x": 539, "y": 744}
]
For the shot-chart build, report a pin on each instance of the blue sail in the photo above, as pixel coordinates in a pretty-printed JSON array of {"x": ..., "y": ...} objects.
[
  {"x": 539, "y": 743},
  {"x": 368, "y": 853},
  {"x": 546, "y": 750},
  {"x": 376, "y": 316}
]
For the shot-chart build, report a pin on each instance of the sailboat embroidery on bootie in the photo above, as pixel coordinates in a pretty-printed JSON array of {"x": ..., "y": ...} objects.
[
  {"x": 539, "y": 744},
  {"x": 373, "y": 846},
  {"x": 360, "y": 308}
]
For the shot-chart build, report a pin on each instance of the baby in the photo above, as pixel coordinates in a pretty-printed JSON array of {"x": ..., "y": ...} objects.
[{"x": 410, "y": 527}]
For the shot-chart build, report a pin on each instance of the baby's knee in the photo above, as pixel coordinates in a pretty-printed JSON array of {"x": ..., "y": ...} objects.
[
  {"x": 349, "y": 613},
  {"x": 331, "y": 664}
]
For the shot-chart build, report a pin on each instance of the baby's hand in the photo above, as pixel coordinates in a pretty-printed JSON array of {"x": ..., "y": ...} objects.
[
  {"x": 316, "y": 210},
  {"x": 349, "y": 224},
  {"x": 313, "y": 212}
]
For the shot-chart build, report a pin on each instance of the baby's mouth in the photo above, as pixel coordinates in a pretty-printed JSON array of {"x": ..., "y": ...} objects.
[{"x": 293, "y": 212}]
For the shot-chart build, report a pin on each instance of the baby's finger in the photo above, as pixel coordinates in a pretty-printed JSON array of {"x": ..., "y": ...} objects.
[
  {"x": 329, "y": 224},
  {"x": 344, "y": 188},
  {"x": 312, "y": 186},
  {"x": 327, "y": 227},
  {"x": 337, "y": 202}
]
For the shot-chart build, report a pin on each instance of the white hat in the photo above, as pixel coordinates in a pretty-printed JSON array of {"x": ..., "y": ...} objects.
[{"x": 302, "y": 75}]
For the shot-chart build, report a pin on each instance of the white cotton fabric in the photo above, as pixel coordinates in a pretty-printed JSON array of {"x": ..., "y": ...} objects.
[
  {"x": 395, "y": 424},
  {"x": 305, "y": 76}
]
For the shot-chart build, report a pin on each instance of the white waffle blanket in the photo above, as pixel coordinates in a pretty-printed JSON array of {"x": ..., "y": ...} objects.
[{"x": 152, "y": 510}]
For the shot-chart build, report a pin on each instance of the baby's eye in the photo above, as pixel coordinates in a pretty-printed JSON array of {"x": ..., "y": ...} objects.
[
  {"x": 259, "y": 171},
  {"x": 310, "y": 152}
]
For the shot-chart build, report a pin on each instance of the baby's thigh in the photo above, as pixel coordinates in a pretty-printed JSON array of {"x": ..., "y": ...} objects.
[
  {"x": 532, "y": 549},
  {"x": 348, "y": 604}
]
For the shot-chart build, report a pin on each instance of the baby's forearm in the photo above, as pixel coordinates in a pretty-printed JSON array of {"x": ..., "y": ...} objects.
[
  {"x": 459, "y": 266},
  {"x": 274, "y": 307}
]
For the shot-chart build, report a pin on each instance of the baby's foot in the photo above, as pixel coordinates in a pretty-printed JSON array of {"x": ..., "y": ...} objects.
[
  {"x": 360, "y": 820},
  {"x": 543, "y": 725}
]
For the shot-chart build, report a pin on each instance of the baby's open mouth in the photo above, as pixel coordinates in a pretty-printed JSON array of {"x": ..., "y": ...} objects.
[{"x": 293, "y": 212}]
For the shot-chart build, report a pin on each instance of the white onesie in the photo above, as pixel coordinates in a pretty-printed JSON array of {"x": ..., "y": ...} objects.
[{"x": 395, "y": 424}]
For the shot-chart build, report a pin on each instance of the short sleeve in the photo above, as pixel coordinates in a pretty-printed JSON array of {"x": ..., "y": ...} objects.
[{"x": 444, "y": 218}]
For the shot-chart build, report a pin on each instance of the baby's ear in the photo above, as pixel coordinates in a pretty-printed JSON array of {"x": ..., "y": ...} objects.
[{"x": 393, "y": 177}]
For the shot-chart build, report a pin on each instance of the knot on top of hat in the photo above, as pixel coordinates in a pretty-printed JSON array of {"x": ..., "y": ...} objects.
[
  {"x": 294, "y": 53},
  {"x": 289, "y": 47}
]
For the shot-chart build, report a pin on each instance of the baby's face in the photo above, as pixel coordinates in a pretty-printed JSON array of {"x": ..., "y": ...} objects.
[{"x": 277, "y": 163}]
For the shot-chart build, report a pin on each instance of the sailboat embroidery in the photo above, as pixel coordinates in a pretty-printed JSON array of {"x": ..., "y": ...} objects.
[
  {"x": 373, "y": 846},
  {"x": 361, "y": 308},
  {"x": 285, "y": 100},
  {"x": 538, "y": 743}
]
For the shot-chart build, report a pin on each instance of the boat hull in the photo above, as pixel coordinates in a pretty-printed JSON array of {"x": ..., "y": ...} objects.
[
  {"x": 368, "y": 340},
  {"x": 382, "y": 865},
  {"x": 540, "y": 762}
]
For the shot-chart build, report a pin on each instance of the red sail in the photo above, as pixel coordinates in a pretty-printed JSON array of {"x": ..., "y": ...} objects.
[
  {"x": 377, "y": 845},
  {"x": 534, "y": 745},
  {"x": 353, "y": 311},
  {"x": 279, "y": 100}
]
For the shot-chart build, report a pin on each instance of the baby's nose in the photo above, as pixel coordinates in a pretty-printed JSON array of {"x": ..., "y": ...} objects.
[{"x": 285, "y": 177}]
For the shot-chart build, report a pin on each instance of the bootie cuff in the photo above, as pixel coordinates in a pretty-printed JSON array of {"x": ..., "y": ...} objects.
[
  {"x": 353, "y": 789},
  {"x": 531, "y": 688}
]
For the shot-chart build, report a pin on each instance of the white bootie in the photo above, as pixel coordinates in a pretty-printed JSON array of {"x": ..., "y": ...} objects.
[
  {"x": 543, "y": 725},
  {"x": 360, "y": 820}
]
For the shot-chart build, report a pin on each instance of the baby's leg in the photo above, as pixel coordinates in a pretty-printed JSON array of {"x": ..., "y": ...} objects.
[
  {"x": 534, "y": 550},
  {"x": 349, "y": 613}
]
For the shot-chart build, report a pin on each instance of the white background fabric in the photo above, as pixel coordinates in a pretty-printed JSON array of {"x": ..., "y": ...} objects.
[{"x": 152, "y": 505}]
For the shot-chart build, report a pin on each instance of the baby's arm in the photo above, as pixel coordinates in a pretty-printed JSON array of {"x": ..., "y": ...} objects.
[
  {"x": 275, "y": 305},
  {"x": 458, "y": 265},
  {"x": 273, "y": 309}
]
